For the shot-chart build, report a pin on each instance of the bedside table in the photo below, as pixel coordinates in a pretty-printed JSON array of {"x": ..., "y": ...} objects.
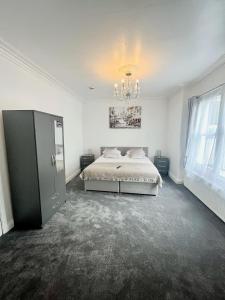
[
  {"x": 162, "y": 164},
  {"x": 86, "y": 160}
]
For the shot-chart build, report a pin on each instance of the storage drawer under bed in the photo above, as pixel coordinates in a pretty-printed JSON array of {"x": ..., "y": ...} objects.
[
  {"x": 102, "y": 185},
  {"x": 143, "y": 188}
]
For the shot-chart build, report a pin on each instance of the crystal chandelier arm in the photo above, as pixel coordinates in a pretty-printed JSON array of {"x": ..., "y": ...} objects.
[{"x": 128, "y": 88}]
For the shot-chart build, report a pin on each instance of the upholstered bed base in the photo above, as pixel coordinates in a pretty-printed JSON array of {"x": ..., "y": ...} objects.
[{"x": 122, "y": 187}]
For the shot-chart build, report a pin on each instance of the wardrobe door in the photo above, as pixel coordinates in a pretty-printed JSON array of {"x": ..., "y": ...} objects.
[
  {"x": 46, "y": 163},
  {"x": 59, "y": 160},
  {"x": 19, "y": 130}
]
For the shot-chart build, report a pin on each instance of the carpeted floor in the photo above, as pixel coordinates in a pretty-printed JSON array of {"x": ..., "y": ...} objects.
[{"x": 109, "y": 246}]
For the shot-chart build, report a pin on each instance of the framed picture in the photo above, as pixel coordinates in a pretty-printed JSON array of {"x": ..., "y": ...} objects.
[{"x": 125, "y": 117}]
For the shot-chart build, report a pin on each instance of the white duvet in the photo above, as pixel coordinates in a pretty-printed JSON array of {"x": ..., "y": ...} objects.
[
  {"x": 122, "y": 169},
  {"x": 123, "y": 159}
]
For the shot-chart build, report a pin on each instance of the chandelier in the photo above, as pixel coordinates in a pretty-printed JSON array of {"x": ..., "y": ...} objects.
[{"x": 128, "y": 88}]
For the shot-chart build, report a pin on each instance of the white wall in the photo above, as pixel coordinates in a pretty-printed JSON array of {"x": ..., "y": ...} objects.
[
  {"x": 152, "y": 132},
  {"x": 210, "y": 198},
  {"x": 20, "y": 89},
  {"x": 215, "y": 202},
  {"x": 174, "y": 146}
]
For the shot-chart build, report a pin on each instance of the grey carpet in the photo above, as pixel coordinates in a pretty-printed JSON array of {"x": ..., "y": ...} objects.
[{"x": 109, "y": 246}]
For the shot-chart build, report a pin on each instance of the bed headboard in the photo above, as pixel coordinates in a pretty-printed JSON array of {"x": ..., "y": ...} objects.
[{"x": 124, "y": 149}]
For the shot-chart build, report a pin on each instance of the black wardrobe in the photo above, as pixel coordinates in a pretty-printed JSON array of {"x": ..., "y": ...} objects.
[{"x": 35, "y": 152}]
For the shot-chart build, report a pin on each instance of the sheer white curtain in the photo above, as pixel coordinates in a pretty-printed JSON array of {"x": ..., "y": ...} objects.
[{"x": 205, "y": 153}]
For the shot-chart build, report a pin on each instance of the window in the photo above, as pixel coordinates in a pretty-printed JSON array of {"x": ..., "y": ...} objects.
[{"x": 205, "y": 154}]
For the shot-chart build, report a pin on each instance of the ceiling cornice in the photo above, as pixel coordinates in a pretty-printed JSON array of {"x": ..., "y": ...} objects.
[
  {"x": 8, "y": 52},
  {"x": 218, "y": 63},
  {"x": 111, "y": 100}
]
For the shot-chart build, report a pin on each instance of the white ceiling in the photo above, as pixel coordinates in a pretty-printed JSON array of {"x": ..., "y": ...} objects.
[{"x": 83, "y": 42}]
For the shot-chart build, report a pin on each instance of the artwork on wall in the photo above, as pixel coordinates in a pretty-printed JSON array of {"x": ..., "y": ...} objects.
[{"x": 125, "y": 117}]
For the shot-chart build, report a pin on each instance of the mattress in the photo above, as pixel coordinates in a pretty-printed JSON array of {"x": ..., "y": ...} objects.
[{"x": 122, "y": 169}]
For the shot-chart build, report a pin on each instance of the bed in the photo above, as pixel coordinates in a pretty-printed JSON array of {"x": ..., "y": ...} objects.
[{"x": 122, "y": 175}]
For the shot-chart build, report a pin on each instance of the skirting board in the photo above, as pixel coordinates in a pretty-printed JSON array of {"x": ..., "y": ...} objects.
[
  {"x": 175, "y": 179},
  {"x": 74, "y": 174},
  {"x": 207, "y": 196},
  {"x": 10, "y": 224}
]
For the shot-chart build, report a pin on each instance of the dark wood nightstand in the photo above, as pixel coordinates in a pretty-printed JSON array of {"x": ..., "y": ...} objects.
[
  {"x": 86, "y": 160},
  {"x": 162, "y": 164}
]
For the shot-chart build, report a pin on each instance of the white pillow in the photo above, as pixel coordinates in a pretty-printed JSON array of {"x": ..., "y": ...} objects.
[
  {"x": 136, "y": 153},
  {"x": 111, "y": 153}
]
